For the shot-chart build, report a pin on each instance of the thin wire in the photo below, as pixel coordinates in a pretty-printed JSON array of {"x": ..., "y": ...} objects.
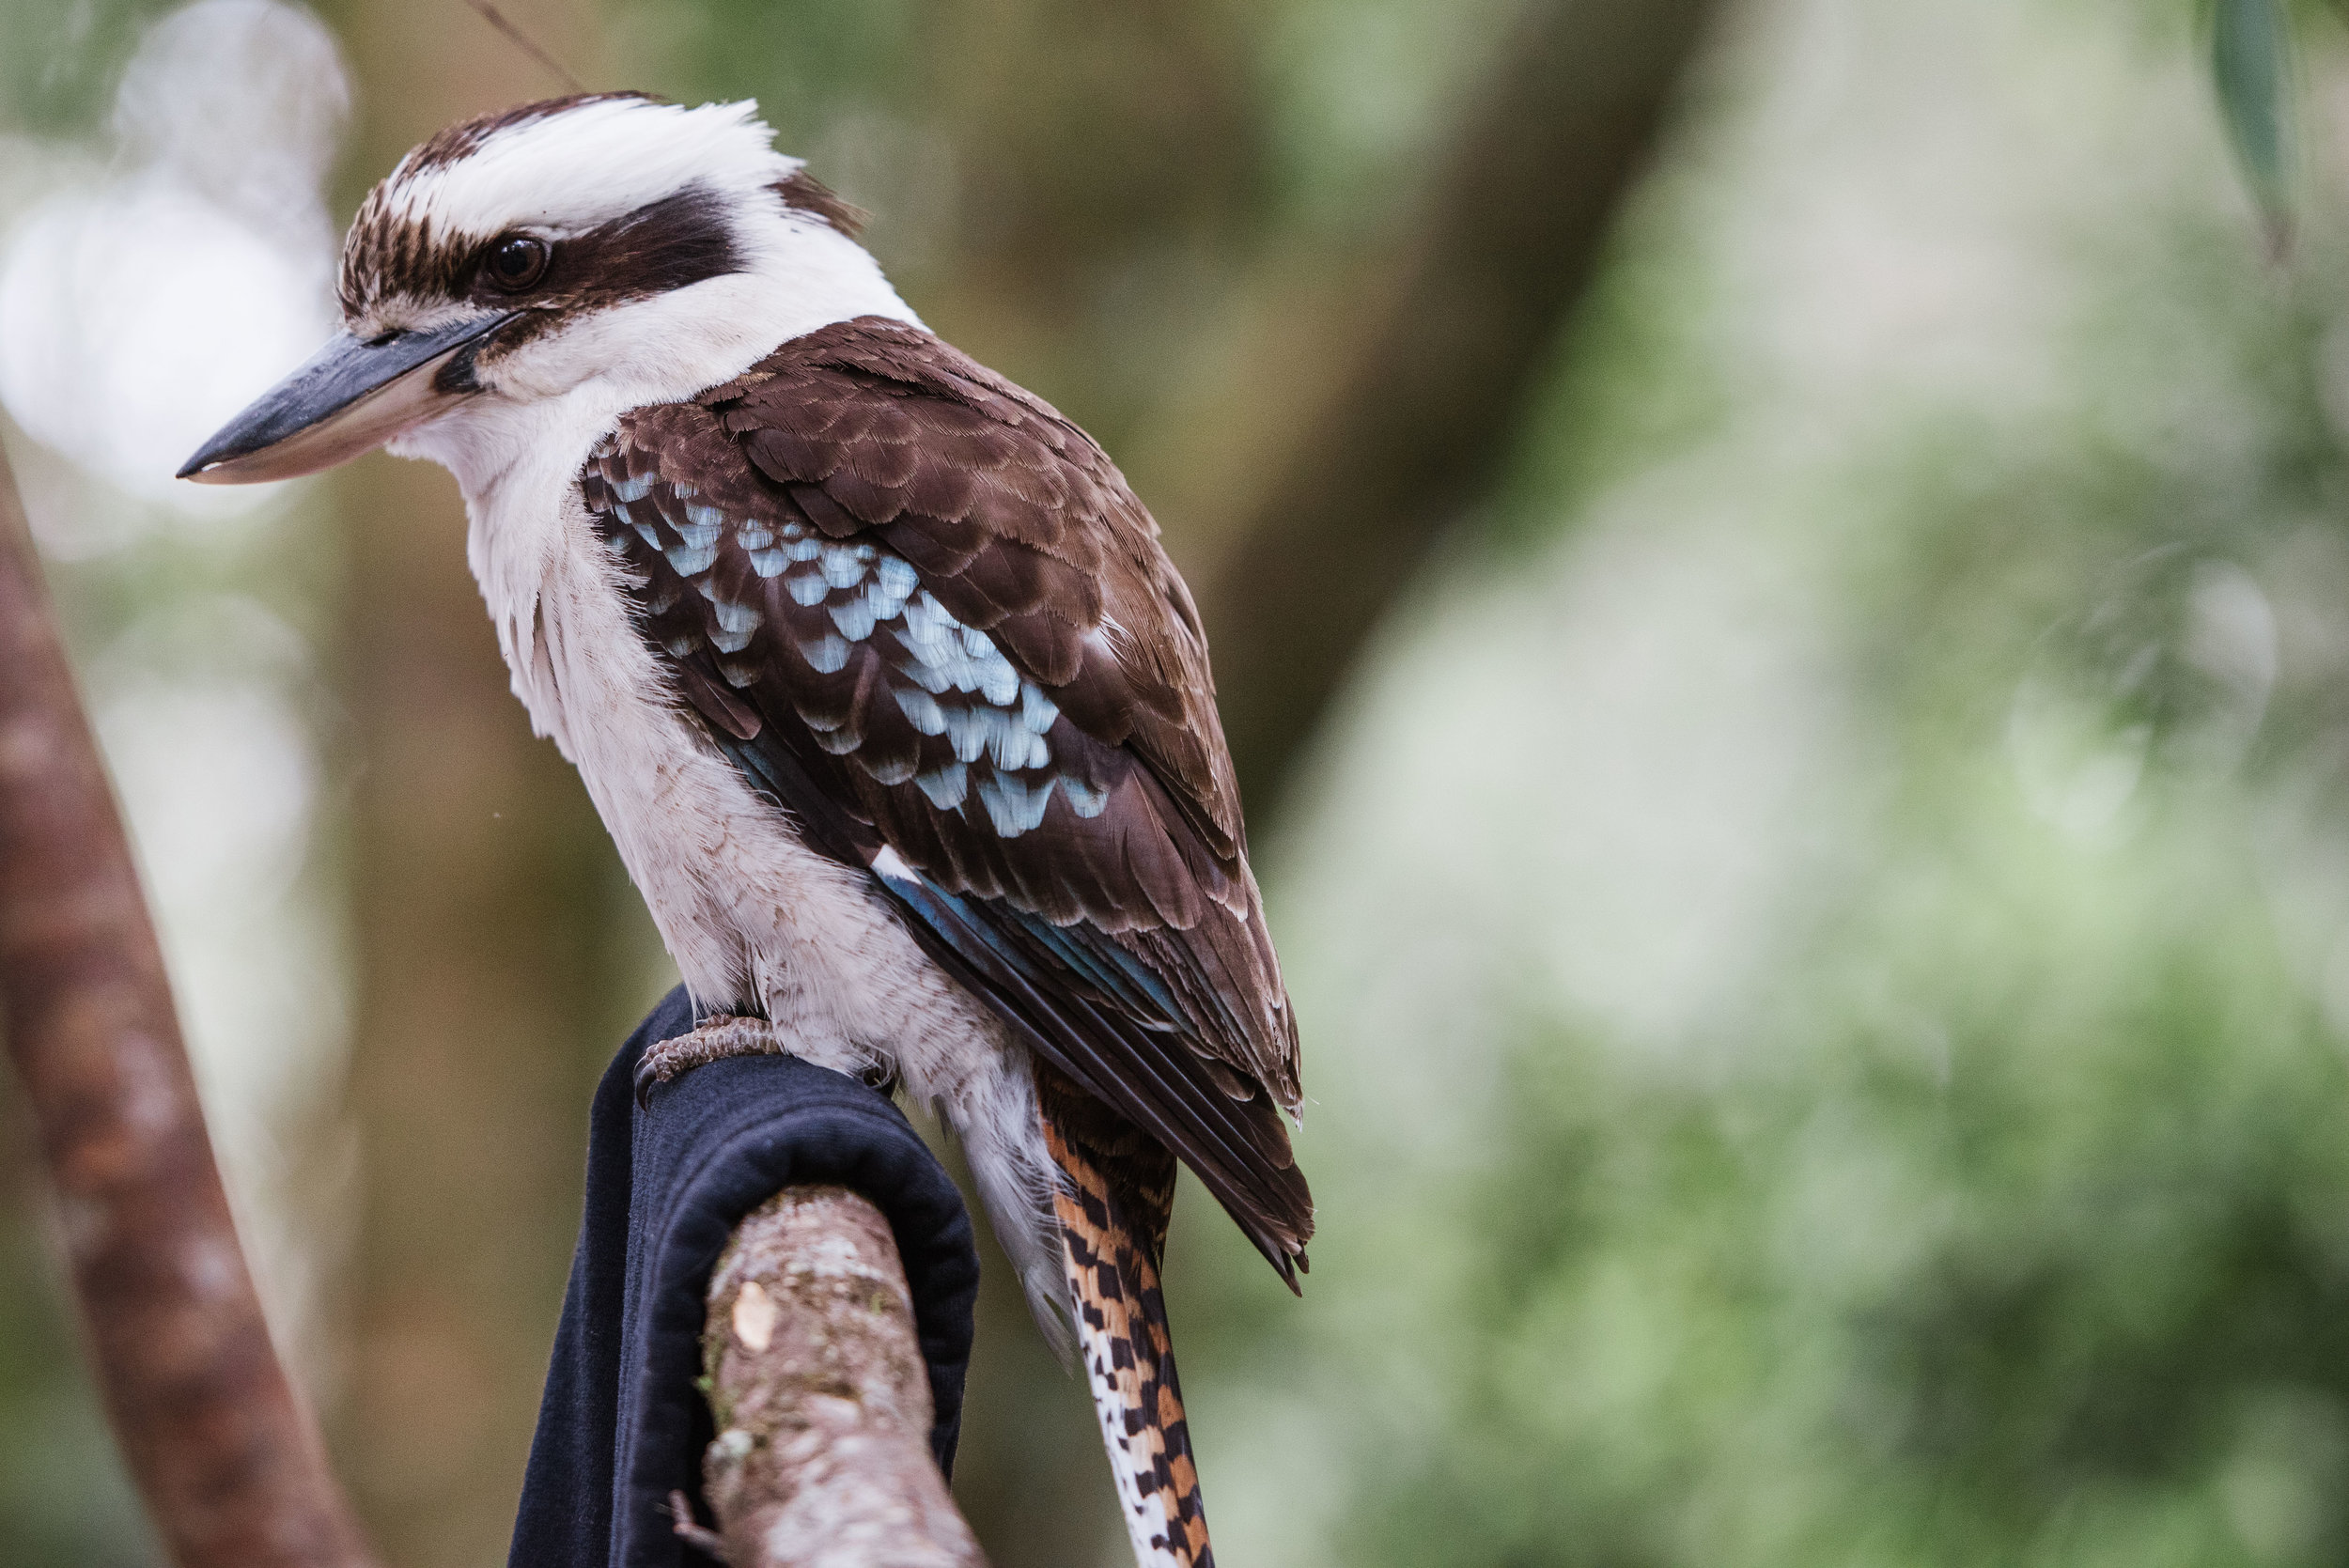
[{"x": 520, "y": 41}]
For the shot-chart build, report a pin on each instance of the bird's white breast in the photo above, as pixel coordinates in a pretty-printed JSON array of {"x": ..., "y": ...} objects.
[{"x": 752, "y": 916}]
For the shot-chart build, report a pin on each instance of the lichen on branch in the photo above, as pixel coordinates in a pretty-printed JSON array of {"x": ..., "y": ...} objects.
[{"x": 822, "y": 1402}]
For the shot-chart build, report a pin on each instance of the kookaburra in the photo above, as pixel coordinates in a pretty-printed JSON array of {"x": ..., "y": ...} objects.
[{"x": 874, "y": 666}]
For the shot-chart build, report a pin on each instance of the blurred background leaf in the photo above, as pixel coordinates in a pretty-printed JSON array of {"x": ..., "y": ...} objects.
[{"x": 2251, "y": 54}]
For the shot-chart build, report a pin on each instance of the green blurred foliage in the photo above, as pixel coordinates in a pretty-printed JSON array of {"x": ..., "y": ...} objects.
[
  {"x": 1995, "y": 1207},
  {"x": 57, "y": 71},
  {"x": 2251, "y": 67}
]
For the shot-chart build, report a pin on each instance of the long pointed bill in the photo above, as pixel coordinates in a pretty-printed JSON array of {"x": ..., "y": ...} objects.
[{"x": 351, "y": 398}]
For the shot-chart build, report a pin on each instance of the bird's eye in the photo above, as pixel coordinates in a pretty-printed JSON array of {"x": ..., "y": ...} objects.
[{"x": 518, "y": 262}]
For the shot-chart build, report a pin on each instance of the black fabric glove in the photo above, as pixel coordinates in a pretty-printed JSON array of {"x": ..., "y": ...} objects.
[{"x": 621, "y": 1424}]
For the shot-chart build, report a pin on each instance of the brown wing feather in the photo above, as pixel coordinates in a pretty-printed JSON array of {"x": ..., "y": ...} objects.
[{"x": 876, "y": 447}]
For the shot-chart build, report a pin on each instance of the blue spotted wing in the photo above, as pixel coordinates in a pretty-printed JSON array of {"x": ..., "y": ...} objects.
[{"x": 923, "y": 613}]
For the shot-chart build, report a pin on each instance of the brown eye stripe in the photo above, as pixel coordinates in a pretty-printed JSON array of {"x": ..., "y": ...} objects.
[{"x": 679, "y": 240}]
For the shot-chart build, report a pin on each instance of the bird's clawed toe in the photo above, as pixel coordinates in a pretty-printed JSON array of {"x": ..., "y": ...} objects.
[{"x": 719, "y": 1036}]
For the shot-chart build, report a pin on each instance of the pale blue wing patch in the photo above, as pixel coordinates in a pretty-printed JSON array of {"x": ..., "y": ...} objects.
[
  {"x": 950, "y": 680},
  {"x": 737, "y": 625},
  {"x": 947, "y": 787}
]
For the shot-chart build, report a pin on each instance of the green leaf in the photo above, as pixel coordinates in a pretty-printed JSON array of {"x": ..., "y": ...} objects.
[{"x": 2250, "y": 60}]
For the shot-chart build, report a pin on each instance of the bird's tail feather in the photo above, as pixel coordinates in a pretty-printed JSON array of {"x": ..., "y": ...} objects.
[{"x": 1115, "y": 1193}]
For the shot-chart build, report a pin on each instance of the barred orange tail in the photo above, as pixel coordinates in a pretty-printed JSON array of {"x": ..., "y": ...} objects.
[{"x": 1116, "y": 1190}]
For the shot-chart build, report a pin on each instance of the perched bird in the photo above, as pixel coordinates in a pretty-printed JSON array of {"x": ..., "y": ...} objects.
[{"x": 875, "y": 668}]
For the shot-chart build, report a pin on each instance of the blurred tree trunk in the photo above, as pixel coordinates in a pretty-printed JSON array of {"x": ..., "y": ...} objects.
[
  {"x": 1115, "y": 171},
  {"x": 481, "y": 882},
  {"x": 1404, "y": 416},
  {"x": 225, "y": 1454}
]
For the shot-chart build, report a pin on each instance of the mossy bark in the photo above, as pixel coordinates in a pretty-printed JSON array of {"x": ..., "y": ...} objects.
[{"x": 822, "y": 1402}]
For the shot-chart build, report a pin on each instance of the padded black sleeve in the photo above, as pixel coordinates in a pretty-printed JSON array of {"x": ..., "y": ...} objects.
[{"x": 621, "y": 1423}]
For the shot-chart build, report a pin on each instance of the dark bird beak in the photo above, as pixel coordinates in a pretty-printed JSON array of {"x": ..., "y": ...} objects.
[{"x": 351, "y": 398}]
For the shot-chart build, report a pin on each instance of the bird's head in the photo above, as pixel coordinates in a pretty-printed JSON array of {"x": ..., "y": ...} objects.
[{"x": 615, "y": 239}]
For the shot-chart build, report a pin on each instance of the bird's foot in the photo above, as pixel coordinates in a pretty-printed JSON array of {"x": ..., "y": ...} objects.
[{"x": 719, "y": 1036}]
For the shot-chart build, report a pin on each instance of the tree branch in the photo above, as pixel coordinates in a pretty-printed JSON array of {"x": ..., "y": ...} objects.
[
  {"x": 226, "y": 1457},
  {"x": 1420, "y": 414},
  {"x": 821, "y": 1398}
]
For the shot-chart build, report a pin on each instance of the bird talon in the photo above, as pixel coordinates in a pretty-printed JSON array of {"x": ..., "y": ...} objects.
[
  {"x": 649, "y": 1073},
  {"x": 718, "y": 1036}
]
